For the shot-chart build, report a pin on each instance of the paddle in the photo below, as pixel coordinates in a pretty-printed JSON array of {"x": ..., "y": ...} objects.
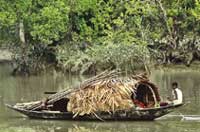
[{"x": 50, "y": 92}]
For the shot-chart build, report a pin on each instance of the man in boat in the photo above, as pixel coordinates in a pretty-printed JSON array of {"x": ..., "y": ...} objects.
[{"x": 177, "y": 94}]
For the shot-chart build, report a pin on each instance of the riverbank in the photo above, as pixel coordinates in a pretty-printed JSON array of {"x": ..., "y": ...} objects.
[
  {"x": 195, "y": 66},
  {"x": 5, "y": 55}
]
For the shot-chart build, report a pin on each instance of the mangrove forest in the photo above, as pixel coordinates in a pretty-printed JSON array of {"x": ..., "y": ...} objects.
[{"x": 87, "y": 36}]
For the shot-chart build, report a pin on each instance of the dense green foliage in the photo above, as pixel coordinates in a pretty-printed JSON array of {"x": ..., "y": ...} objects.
[{"x": 88, "y": 35}]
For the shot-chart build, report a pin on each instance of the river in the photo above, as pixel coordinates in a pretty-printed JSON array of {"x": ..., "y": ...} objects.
[{"x": 22, "y": 89}]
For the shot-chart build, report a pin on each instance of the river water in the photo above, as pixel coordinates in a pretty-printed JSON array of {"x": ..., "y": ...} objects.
[{"x": 22, "y": 89}]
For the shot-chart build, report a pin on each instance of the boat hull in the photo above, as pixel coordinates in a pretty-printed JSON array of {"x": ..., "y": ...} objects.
[{"x": 142, "y": 114}]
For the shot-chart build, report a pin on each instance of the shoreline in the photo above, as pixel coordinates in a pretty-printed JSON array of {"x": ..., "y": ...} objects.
[
  {"x": 194, "y": 66},
  {"x": 5, "y": 55}
]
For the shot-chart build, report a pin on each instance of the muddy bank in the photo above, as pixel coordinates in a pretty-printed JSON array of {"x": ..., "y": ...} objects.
[{"x": 5, "y": 55}]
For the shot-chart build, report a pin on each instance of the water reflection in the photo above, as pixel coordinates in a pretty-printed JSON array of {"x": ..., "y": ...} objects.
[
  {"x": 20, "y": 89},
  {"x": 65, "y": 126}
]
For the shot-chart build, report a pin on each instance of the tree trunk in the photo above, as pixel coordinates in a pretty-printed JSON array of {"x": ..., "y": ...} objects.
[
  {"x": 171, "y": 38},
  {"x": 21, "y": 32}
]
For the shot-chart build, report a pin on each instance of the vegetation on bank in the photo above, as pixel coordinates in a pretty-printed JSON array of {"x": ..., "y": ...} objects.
[{"x": 83, "y": 36}]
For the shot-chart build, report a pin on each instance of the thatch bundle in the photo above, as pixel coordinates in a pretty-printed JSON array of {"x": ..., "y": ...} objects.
[
  {"x": 105, "y": 95},
  {"x": 108, "y": 94}
]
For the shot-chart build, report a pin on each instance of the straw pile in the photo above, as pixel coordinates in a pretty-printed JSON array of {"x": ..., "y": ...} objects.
[{"x": 108, "y": 94}]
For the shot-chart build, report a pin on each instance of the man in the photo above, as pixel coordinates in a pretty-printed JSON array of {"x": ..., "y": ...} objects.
[{"x": 177, "y": 94}]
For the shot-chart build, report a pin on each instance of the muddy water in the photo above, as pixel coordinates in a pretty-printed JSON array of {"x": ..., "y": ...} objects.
[{"x": 22, "y": 89}]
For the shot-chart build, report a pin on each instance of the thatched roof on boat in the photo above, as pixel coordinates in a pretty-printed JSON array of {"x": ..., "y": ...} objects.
[{"x": 109, "y": 92}]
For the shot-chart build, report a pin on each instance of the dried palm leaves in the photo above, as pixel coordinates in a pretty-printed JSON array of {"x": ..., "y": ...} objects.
[{"x": 107, "y": 94}]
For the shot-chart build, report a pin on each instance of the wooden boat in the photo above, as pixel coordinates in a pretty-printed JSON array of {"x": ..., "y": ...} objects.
[
  {"x": 140, "y": 114},
  {"x": 103, "y": 97}
]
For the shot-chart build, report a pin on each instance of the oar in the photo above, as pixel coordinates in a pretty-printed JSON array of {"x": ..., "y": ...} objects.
[{"x": 50, "y": 92}]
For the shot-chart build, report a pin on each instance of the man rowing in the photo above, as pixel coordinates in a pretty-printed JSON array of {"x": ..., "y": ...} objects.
[{"x": 177, "y": 94}]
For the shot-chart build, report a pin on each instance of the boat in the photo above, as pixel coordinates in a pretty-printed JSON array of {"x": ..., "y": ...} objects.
[
  {"x": 123, "y": 115},
  {"x": 104, "y": 97}
]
